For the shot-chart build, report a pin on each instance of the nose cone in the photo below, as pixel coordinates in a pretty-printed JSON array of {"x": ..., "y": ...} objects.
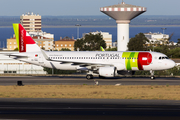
[{"x": 171, "y": 64}]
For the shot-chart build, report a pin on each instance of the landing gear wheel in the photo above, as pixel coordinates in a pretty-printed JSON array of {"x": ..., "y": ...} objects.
[
  {"x": 89, "y": 77},
  {"x": 152, "y": 77},
  {"x": 152, "y": 74}
]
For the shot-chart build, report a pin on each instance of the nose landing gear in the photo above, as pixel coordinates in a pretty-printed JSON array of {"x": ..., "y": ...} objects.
[{"x": 152, "y": 75}]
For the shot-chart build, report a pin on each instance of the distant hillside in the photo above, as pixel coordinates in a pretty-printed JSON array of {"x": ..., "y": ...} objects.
[{"x": 94, "y": 20}]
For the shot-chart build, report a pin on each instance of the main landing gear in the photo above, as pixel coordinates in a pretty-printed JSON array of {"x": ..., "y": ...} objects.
[
  {"x": 152, "y": 75},
  {"x": 89, "y": 76}
]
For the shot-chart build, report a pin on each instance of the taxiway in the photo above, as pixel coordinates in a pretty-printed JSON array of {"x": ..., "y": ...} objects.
[{"x": 57, "y": 80}]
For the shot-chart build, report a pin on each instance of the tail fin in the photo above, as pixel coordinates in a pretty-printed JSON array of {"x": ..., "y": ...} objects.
[{"x": 24, "y": 40}]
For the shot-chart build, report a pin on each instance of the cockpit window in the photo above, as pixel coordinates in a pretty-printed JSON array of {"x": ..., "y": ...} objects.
[{"x": 162, "y": 58}]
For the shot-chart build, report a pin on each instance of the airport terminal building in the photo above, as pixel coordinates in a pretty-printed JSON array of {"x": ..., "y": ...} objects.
[{"x": 11, "y": 66}]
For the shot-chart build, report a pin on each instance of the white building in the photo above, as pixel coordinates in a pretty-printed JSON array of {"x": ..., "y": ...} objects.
[
  {"x": 156, "y": 36},
  {"x": 31, "y": 22},
  {"x": 106, "y": 37},
  {"x": 11, "y": 66},
  {"x": 43, "y": 42},
  {"x": 43, "y": 39},
  {"x": 43, "y": 34}
]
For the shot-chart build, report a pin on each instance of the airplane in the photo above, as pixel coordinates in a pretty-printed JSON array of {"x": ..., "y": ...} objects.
[{"x": 103, "y": 63}]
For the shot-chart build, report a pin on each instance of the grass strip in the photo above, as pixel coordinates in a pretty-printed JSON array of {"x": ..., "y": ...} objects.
[{"x": 158, "y": 92}]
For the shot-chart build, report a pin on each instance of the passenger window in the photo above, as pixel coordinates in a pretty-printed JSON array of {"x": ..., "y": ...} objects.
[{"x": 159, "y": 58}]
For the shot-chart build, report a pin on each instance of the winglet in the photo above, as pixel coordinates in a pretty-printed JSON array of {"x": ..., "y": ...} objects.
[{"x": 102, "y": 49}]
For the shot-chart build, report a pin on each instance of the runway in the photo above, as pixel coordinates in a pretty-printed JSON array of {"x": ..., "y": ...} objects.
[
  {"x": 88, "y": 109},
  {"x": 58, "y": 80}
]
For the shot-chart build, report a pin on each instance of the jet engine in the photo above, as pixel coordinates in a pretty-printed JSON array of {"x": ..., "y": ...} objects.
[{"x": 107, "y": 71}]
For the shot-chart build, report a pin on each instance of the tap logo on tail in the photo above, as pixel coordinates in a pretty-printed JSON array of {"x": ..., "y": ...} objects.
[{"x": 22, "y": 37}]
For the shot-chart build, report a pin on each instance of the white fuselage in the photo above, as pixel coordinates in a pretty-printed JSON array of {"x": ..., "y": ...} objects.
[{"x": 66, "y": 60}]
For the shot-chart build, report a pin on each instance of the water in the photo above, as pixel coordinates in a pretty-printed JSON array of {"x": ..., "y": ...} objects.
[
  {"x": 6, "y": 33},
  {"x": 63, "y": 32}
]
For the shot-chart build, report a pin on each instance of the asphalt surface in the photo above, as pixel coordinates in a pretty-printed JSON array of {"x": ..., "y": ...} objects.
[
  {"x": 87, "y": 109},
  {"x": 45, "y": 80}
]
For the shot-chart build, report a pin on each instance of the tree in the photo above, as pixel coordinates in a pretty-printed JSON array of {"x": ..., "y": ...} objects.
[
  {"x": 138, "y": 43},
  {"x": 65, "y": 49},
  {"x": 178, "y": 43},
  {"x": 90, "y": 42}
]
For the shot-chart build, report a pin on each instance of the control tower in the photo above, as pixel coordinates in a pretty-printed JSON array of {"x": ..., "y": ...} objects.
[{"x": 123, "y": 14}]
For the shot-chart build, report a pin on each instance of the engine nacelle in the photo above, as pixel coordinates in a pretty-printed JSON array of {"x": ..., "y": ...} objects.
[{"x": 107, "y": 71}]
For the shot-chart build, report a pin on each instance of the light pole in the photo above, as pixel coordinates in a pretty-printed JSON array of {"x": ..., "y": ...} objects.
[
  {"x": 78, "y": 25},
  {"x": 163, "y": 30},
  {"x": 163, "y": 33}
]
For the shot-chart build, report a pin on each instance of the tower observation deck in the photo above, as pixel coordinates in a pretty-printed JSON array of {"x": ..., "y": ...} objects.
[{"x": 123, "y": 14}]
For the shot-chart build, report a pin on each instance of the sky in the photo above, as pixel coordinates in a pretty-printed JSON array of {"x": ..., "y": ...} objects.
[{"x": 83, "y": 7}]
